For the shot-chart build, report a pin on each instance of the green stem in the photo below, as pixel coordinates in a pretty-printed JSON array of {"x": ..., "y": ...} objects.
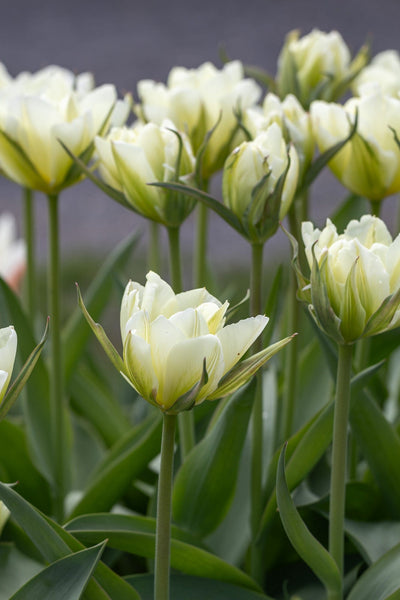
[
  {"x": 30, "y": 254},
  {"x": 56, "y": 371},
  {"x": 257, "y": 413},
  {"x": 200, "y": 250},
  {"x": 163, "y": 530},
  {"x": 185, "y": 419},
  {"x": 376, "y": 207},
  {"x": 339, "y": 456},
  {"x": 291, "y": 364},
  {"x": 153, "y": 257}
]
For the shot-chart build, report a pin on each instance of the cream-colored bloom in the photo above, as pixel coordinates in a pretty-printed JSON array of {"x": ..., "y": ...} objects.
[
  {"x": 170, "y": 338},
  {"x": 384, "y": 71},
  {"x": 38, "y": 110},
  {"x": 131, "y": 158},
  {"x": 252, "y": 161},
  {"x": 369, "y": 164},
  {"x": 196, "y": 100},
  {"x": 4, "y": 514},
  {"x": 360, "y": 272},
  {"x": 291, "y": 117},
  {"x": 12, "y": 252},
  {"x": 317, "y": 65},
  {"x": 8, "y": 349}
]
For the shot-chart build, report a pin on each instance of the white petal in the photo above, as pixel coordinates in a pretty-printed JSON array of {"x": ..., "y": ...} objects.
[
  {"x": 137, "y": 357},
  {"x": 237, "y": 338}
]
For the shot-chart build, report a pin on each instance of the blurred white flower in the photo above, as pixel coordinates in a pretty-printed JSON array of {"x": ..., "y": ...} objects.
[{"x": 12, "y": 252}]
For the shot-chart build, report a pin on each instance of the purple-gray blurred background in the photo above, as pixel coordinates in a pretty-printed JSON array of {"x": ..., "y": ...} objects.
[{"x": 122, "y": 41}]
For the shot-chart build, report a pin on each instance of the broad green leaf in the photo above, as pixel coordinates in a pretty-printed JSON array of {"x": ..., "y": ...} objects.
[
  {"x": 18, "y": 466},
  {"x": 120, "y": 466},
  {"x": 22, "y": 377},
  {"x": 306, "y": 545},
  {"x": 205, "y": 483},
  {"x": 381, "y": 580},
  {"x": 76, "y": 332},
  {"x": 127, "y": 534},
  {"x": 380, "y": 445},
  {"x": 15, "y": 570},
  {"x": 64, "y": 579},
  {"x": 373, "y": 540},
  {"x": 36, "y": 393},
  {"x": 184, "y": 587},
  {"x": 90, "y": 399},
  {"x": 54, "y": 543}
]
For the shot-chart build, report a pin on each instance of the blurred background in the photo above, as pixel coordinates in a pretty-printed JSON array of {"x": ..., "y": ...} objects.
[{"x": 123, "y": 41}]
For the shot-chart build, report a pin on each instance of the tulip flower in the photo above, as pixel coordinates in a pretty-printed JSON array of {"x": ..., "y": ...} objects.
[
  {"x": 384, "y": 71},
  {"x": 252, "y": 181},
  {"x": 131, "y": 158},
  {"x": 355, "y": 278},
  {"x": 292, "y": 119},
  {"x": 8, "y": 349},
  {"x": 12, "y": 252},
  {"x": 4, "y": 514},
  {"x": 32, "y": 125},
  {"x": 197, "y": 100},
  {"x": 369, "y": 164},
  {"x": 317, "y": 65}
]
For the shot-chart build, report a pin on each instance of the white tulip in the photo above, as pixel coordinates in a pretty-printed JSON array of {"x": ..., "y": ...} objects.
[
  {"x": 384, "y": 71},
  {"x": 12, "y": 252},
  {"x": 8, "y": 349}
]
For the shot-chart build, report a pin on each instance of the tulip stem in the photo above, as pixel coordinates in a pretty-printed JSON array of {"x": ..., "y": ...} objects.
[
  {"x": 56, "y": 370},
  {"x": 30, "y": 254},
  {"x": 375, "y": 207},
  {"x": 339, "y": 456},
  {"x": 257, "y": 413},
  {"x": 163, "y": 529},
  {"x": 153, "y": 257},
  {"x": 185, "y": 419},
  {"x": 200, "y": 251}
]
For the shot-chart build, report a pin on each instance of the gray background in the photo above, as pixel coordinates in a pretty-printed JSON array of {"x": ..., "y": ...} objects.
[{"x": 122, "y": 41}]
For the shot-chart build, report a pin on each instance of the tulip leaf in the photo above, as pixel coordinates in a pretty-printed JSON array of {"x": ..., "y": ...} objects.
[
  {"x": 137, "y": 536},
  {"x": 36, "y": 394},
  {"x": 244, "y": 369},
  {"x": 121, "y": 465},
  {"x": 75, "y": 333},
  {"x": 380, "y": 449},
  {"x": 99, "y": 332},
  {"x": 323, "y": 159},
  {"x": 373, "y": 539},
  {"x": 195, "y": 588},
  {"x": 381, "y": 580},
  {"x": 204, "y": 486},
  {"x": 224, "y": 212},
  {"x": 107, "y": 189},
  {"x": 65, "y": 579},
  {"x": 23, "y": 376},
  {"x": 15, "y": 570},
  {"x": 306, "y": 545},
  {"x": 53, "y": 543}
]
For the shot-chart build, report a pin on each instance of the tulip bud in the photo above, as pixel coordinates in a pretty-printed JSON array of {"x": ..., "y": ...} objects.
[
  {"x": 252, "y": 182},
  {"x": 198, "y": 100},
  {"x": 4, "y": 514},
  {"x": 131, "y": 158},
  {"x": 384, "y": 71},
  {"x": 8, "y": 349},
  {"x": 355, "y": 278},
  {"x": 369, "y": 164},
  {"x": 317, "y": 65}
]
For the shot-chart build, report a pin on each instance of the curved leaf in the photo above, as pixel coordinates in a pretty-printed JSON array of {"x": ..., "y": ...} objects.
[{"x": 381, "y": 581}]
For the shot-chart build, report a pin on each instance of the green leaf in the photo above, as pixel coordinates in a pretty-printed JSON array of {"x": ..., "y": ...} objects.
[
  {"x": 76, "y": 333},
  {"x": 184, "y": 587},
  {"x": 18, "y": 466},
  {"x": 23, "y": 376},
  {"x": 380, "y": 446},
  {"x": 36, "y": 394},
  {"x": 15, "y": 570},
  {"x": 306, "y": 545},
  {"x": 221, "y": 210},
  {"x": 381, "y": 580},
  {"x": 64, "y": 579},
  {"x": 54, "y": 543},
  {"x": 204, "y": 486},
  {"x": 99, "y": 332},
  {"x": 121, "y": 465},
  {"x": 373, "y": 539},
  {"x": 130, "y": 534}
]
